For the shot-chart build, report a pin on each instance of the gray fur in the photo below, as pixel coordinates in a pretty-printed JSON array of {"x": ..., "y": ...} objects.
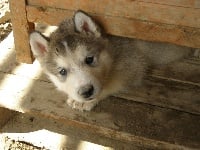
[{"x": 128, "y": 59}]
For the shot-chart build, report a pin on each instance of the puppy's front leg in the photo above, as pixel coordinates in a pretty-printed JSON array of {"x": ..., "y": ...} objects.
[{"x": 81, "y": 106}]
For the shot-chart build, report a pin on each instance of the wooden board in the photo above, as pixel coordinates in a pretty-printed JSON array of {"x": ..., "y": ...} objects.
[
  {"x": 124, "y": 26},
  {"x": 21, "y": 29},
  {"x": 5, "y": 116},
  {"x": 179, "y": 91},
  {"x": 165, "y": 21},
  {"x": 166, "y": 94},
  {"x": 114, "y": 118},
  {"x": 182, "y": 3},
  {"x": 151, "y": 12},
  {"x": 34, "y": 129},
  {"x": 174, "y": 86},
  {"x": 23, "y": 88}
]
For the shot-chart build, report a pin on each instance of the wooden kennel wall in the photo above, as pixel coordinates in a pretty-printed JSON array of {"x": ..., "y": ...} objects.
[{"x": 171, "y": 21}]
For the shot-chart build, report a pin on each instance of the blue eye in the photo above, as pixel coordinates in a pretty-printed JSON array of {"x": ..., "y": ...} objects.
[{"x": 63, "y": 72}]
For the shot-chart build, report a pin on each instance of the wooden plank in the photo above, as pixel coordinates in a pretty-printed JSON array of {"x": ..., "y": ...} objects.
[
  {"x": 38, "y": 97},
  {"x": 174, "y": 86},
  {"x": 165, "y": 93},
  {"x": 124, "y": 27},
  {"x": 5, "y": 116},
  {"x": 152, "y": 12},
  {"x": 60, "y": 136},
  {"x": 183, "y": 3},
  {"x": 21, "y": 29},
  {"x": 177, "y": 78},
  {"x": 187, "y": 71},
  {"x": 139, "y": 124},
  {"x": 47, "y": 15}
]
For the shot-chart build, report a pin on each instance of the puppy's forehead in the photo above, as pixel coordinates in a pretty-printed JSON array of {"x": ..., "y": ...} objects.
[
  {"x": 73, "y": 41},
  {"x": 71, "y": 55},
  {"x": 75, "y": 45}
]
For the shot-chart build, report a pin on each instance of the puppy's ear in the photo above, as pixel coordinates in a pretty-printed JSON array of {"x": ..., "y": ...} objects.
[
  {"x": 84, "y": 23},
  {"x": 39, "y": 44}
]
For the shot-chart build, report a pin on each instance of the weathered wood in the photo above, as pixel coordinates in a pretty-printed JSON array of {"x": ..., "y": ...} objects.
[
  {"x": 173, "y": 86},
  {"x": 21, "y": 30},
  {"x": 5, "y": 116},
  {"x": 115, "y": 118},
  {"x": 166, "y": 93},
  {"x": 124, "y": 27},
  {"x": 137, "y": 19},
  {"x": 73, "y": 4},
  {"x": 183, "y": 3},
  {"x": 60, "y": 136},
  {"x": 186, "y": 71},
  {"x": 138, "y": 124},
  {"x": 47, "y": 15},
  {"x": 152, "y": 12}
]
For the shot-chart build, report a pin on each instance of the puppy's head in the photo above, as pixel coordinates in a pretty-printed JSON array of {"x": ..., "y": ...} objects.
[{"x": 75, "y": 57}]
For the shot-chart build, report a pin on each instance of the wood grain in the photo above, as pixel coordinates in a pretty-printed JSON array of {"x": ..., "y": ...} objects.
[
  {"x": 5, "y": 116},
  {"x": 151, "y": 12},
  {"x": 176, "y": 86},
  {"x": 124, "y": 26},
  {"x": 174, "y": 92},
  {"x": 166, "y": 125},
  {"x": 181, "y": 3},
  {"x": 127, "y": 121},
  {"x": 21, "y": 30}
]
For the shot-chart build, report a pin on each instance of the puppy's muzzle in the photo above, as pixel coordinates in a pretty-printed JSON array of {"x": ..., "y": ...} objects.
[{"x": 86, "y": 91}]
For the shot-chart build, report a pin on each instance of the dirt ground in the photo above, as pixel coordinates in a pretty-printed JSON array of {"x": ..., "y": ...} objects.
[{"x": 19, "y": 145}]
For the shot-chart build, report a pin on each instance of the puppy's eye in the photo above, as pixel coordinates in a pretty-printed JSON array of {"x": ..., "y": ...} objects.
[
  {"x": 63, "y": 72},
  {"x": 89, "y": 60}
]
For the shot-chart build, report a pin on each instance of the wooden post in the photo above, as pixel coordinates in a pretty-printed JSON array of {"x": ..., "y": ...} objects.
[{"x": 21, "y": 29}]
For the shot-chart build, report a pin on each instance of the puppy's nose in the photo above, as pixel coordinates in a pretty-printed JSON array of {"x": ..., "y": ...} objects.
[{"x": 86, "y": 91}]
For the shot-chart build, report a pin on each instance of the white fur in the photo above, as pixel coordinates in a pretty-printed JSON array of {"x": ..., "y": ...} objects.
[
  {"x": 66, "y": 46},
  {"x": 35, "y": 39},
  {"x": 87, "y": 105},
  {"x": 80, "y": 18},
  {"x": 77, "y": 77}
]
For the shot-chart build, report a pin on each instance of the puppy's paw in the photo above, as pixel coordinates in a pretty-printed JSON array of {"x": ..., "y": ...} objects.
[{"x": 82, "y": 105}]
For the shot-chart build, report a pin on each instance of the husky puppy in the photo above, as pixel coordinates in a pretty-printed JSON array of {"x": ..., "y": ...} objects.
[{"x": 89, "y": 65}]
